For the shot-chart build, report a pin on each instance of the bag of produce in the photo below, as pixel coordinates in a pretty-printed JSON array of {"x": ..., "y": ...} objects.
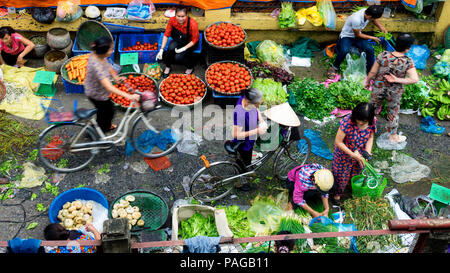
[
  {"x": 153, "y": 70},
  {"x": 446, "y": 56},
  {"x": 419, "y": 54},
  {"x": 356, "y": 68},
  {"x": 328, "y": 14},
  {"x": 286, "y": 18},
  {"x": 264, "y": 216},
  {"x": 325, "y": 224},
  {"x": 441, "y": 70},
  {"x": 68, "y": 11},
  {"x": 44, "y": 15},
  {"x": 270, "y": 52},
  {"x": 140, "y": 10}
]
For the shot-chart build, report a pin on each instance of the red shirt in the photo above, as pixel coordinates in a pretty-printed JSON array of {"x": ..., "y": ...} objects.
[{"x": 193, "y": 29}]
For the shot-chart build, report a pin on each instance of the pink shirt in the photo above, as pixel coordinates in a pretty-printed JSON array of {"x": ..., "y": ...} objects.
[{"x": 17, "y": 45}]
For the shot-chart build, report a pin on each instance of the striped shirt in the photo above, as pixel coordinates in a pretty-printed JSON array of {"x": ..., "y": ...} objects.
[{"x": 304, "y": 181}]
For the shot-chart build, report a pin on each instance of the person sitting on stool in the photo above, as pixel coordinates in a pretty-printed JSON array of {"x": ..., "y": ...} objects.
[{"x": 185, "y": 35}]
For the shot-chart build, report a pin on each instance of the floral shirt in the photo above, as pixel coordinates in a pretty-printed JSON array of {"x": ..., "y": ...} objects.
[
  {"x": 303, "y": 178},
  {"x": 95, "y": 72},
  {"x": 390, "y": 64},
  {"x": 74, "y": 248}
]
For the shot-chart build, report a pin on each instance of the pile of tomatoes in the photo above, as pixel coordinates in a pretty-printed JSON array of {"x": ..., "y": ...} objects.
[
  {"x": 225, "y": 34},
  {"x": 140, "y": 46},
  {"x": 136, "y": 82},
  {"x": 182, "y": 89},
  {"x": 227, "y": 77}
]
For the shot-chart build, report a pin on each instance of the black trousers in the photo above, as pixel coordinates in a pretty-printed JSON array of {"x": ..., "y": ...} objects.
[
  {"x": 105, "y": 113},
  {"x": 185, "y": 58},
  {"x": 246, "y": 158},
  {"x": 12, "y": 59}
]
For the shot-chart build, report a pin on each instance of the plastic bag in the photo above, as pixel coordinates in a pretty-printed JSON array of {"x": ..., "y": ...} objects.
[
  {"x": 446, "y": 56},
  {"x": 68, "y": 11},
  {"x": 43, "y": 15},
  {"x": 190, "y": 143},
  {"x": 153, "y": 70},
  {"x": 286, "y": 18},
  {"x": 140, "y": 10},
  {"x": 33, "y": 176},
  {"x": 415, "y": 6},
  {"x": 264, "y": 217},
  {"x": 441, "y": 70},
  {"x": 270, "y": 52},
  {"x": 383, "y": 142},
  {"x": 311, "y": 14},
  {"x": 328, "y": 14},
  {"x": 419, "y": 207},
  {"x": 356, "y": 68},
  {"x": 419, "y": 54},
  {"x": 407, "y": 169},
  {"x": 346, "y": 242}
]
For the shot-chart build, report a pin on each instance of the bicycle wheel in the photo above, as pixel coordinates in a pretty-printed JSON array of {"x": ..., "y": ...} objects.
[
  {"x": 54, "y": 147},
  {"x": 153, "y": 134},
  {"x": 207, "y": 184},
  {"x": 290, "y": 157}
]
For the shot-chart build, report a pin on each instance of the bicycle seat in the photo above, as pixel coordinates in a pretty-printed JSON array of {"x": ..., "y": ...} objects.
[
  {"x": 231, "y": 147},
  {"x": 85, "y": 113}
]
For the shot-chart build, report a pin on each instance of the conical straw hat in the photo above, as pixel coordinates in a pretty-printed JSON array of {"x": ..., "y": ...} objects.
[{"x": 283, "y": 114}]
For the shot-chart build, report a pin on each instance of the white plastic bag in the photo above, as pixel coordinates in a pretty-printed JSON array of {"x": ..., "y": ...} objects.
[
  {"x": 140, "y": 10},
  {"x": 356, "y": 69},
  {"x": 407, "y": 169},
  {"x": 190, "y": 143},
  {"x": 383, "y": 142}
]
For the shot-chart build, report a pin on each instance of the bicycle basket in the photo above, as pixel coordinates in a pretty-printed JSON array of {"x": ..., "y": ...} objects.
[
  {"x": 153, "y": 208},
  {"x": 58, "y": 114}
]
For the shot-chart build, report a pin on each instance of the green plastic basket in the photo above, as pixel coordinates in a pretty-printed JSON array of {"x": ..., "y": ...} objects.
[
  {"x": 152, "y": 236},
  {"x": 358, "y": 190},
  {"x": 153, "y": 208}
]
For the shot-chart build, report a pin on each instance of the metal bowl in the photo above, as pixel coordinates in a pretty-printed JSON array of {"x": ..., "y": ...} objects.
[
  {"x": 135, "y": 74},
  {"x": 224, "y": 47},
  {"x": 223, "y": 93},
  {"x": 182, "y": 105}
]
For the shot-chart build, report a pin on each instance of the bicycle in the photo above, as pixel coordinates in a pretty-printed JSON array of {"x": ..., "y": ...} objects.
[
  {"x": 216, "y": 180},
  {"x": 70, "y": 147}
]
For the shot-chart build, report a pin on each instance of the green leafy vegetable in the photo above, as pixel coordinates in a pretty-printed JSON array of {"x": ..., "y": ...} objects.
[
  {"x": 49, "y": 188},
  {"x": 286, "y": 18},
  {"x": 312, "y": 98},
  {"x": 237, "y": 221},
  {"x": 104, "y": 169},
  {"x": 33, "y": 196},
  {"x": 348, "y": 94},
  {"x": 198, "y": 225},
  {"x": 273, "y": 92},
  {"x": 32, "y": 225},
  {"x": 40, "y": 207}
]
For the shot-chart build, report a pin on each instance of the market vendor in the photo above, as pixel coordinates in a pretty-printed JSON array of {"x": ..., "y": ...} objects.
[
  {"x": 353, "y": 143},
  {"x": 57, "y": 232},
  {"x": 14, "y": 47},
  {"x": 185, "y": 35},
  {"x": 307, "y": 182},
  {"x": 351, "y": 36}
]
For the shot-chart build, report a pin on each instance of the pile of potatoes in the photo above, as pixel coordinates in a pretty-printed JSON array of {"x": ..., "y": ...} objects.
[
  {"x": 123, "y": 209},
  {"x": 75, "y": 214}
]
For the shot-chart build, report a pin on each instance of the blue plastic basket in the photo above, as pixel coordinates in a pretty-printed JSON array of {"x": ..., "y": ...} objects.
[
  {"x": 72, "y": 195},
  {"x": 59, "y": 109},
  {"x": 197, "y": 50},
  {"x": 130, "y": 39},
  {"x": 77, "y": 51}
]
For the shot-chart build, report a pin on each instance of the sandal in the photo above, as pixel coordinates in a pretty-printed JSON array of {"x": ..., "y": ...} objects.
[
  {"x": 113, "y": 127},
  {"x": 332, "y": 73}
]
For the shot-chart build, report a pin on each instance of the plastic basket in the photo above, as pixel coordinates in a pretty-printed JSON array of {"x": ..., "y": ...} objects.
[
  {"x": 358, "y": 190},
  {"x": 223, "y": 93},
  {"x": 77, "y": 51},
  {"x": 72, "y": 195},
  {"x": 130, "y": 39},
  {"x": 197, "y": 50},
  {"x": 153, "y": 208},
  {"x": 58, "y": 115}
]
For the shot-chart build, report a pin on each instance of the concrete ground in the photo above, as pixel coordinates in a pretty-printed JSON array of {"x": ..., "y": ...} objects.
[{"x": 131, "y": 172}]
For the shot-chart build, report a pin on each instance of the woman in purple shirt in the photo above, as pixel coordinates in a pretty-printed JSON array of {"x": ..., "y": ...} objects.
[{"x": 248, "y": 124}]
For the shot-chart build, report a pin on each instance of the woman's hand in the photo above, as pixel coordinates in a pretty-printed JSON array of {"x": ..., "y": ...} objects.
[
  {"x": 316, "y": 214},
  {"x": 359, "y": 158},
  {"x": 367, "y": 83},
  {"x": 262, "y": 128},
  {"x": 324, "y": 213},
  {"x": 133, "y": 97},
  {"x": 391, "y": 78},
  {"x": 20, "y": 61}
]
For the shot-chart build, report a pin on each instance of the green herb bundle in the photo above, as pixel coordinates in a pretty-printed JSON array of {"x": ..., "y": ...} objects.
[
  {"x": 273, "y": 92},
  {"x": 368, "y": 213},
  {"x": 294, "y": 225},
  {"x": 286, "y": 18},
  {"x": 319, "y": 228},
  {"x": 312, "y": 98},
  {"x": 198, "y": 225},
  {"x": 348, "y": 94},
  {"x": 237, "y": 221}
]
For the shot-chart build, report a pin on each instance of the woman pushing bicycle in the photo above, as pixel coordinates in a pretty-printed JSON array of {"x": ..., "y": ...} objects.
[{"x": 98, "y": 86}]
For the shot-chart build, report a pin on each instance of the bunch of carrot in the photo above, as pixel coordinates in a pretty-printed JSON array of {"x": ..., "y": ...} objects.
[{"x": 76, "y": 68}]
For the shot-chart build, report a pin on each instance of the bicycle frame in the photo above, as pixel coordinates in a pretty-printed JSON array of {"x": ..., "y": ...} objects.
[{"x": 107, "y": 142}]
